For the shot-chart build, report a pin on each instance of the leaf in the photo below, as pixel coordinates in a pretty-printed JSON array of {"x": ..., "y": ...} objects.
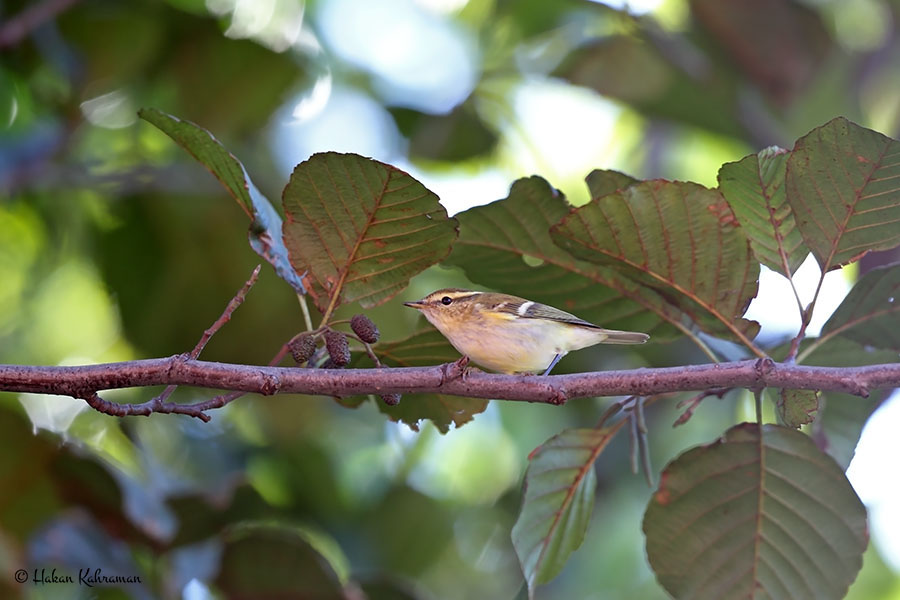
[
  {"x": 48, "y": 476},
  {"x": 82, "y": 547},
  {"x": 276, "y": 560},
  {"x": 755, "y": 514},
  {"x": 759, "y": 37},
  {"x": 606, "y": 181},
  {"x": 870, "y": 314},
  {"x": 842, "y": 416},
  {"x": 413, "y": 531},
  {"x": 361, "y": 228},
  {"x": 384, "y": 586},
  {"x": 557, "y": 503},
  {"x": 664, "y": 89},
  {"x": 843, "y": 184},
  {"x": 426, "y": 347},
  {"x": 797, "y": 407},
  {"x": 506, "y": 245},
  {"x": 265, "y": 228},
  {"x": 452, "y": 137},
  {"x": 754, "y": 188},
  {"x": 680, "y": 239}
]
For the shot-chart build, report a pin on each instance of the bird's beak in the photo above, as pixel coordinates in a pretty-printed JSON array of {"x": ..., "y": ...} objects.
[{"x": 416, "y": 304}]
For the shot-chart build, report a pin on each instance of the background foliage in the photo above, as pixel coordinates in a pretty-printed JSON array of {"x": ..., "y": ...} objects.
[{"x": 115, "y": 245}]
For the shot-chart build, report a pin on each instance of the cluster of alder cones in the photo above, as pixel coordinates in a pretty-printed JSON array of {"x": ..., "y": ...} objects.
[{"x": 337, "y": 345}]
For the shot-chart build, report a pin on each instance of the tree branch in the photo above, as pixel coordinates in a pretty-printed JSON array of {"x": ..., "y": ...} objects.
[{"x": 85, "y": 381}]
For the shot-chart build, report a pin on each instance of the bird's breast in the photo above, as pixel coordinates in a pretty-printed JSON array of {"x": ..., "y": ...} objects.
[{"x": 503, "y": 342}]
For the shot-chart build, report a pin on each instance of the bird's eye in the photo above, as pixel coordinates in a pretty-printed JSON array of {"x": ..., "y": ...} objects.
[{"x": 446, "y": 300}]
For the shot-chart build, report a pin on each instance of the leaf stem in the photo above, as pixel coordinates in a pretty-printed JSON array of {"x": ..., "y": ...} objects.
[
  {"x": 813, "y": 346},
  {"x": 614, "y": 408},
  {"x": 335, "y": 294},
  {"x": 367, "y": 347},
  {"x": 643, "y": 442},
  {"x": 696, "y": 339},
  {"x": 304, "y": 308},
  {"x": 806, "y": 317},
  {"x": 783, "y": 255},
  {"x": 633, "y": 434},
  {"x": 796, "y": 295}
]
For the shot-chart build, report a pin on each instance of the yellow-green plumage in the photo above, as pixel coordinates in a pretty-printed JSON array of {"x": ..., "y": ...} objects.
[{"x": 511, "y": 334}]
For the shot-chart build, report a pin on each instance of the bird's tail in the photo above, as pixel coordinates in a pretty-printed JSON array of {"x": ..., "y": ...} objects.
[{"x": 613, "y": 336}]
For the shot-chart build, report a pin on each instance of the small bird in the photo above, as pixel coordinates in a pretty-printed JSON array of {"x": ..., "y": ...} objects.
[{"x": 510, "y": 334}]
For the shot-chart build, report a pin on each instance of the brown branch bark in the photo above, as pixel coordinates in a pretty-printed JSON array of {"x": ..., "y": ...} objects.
[{"x": 85, "y": 381}]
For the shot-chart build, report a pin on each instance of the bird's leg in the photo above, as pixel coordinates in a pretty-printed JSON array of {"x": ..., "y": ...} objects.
[
  {"x": 456, "y": 369},
  {"x": 553, "y": 363}
]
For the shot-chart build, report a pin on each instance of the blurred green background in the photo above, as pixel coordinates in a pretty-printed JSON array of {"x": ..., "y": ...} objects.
[{"x": 115, "y": 245}]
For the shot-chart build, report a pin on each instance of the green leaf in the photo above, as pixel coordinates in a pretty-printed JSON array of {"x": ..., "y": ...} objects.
[
  {"x": 361, "y": 228},
  {"x": 265, "y": 228},
  {"x": 606, "y": 181},
  {"x": 558, "y": 500},
  {"x": 634, "y": 68},
  {"x": 45, "y": 474},
  {"x": 410, "y": 531},
  {"x": 680, "y": 239},
  {"x": 426, "y": 347},
  {"x": 506, "y": 245},
  {"x": 452, "y": 137},
  {"x": 756, "y": 45},
  {"x": 755, "y": 514},
  {"x": 385, "y": 586},
  {"x": 269, "y": 560},
  {"x": 842, "y": 416},
  {"x": 843, "y": 184},
  {"x": 754, "y": 188},
  {"x": 840, "y": 423},
  {"x": 870, "y": 314},
  {"x": 797, "y": 407}
]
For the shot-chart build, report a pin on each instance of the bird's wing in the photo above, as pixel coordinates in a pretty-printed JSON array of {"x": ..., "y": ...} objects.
[{"x": 535, "y": 310}]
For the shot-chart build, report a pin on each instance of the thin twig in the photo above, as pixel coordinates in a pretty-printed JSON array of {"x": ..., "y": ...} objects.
[
  {"x": 216, "y": 326},
  {"x": 691, "y": 404},
  {"x": 226, "y": 314}
]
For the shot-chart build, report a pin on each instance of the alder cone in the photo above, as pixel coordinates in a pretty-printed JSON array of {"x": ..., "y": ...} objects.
[
  {"x": 391, "y": 399},
  {"x": 302, "y": 348},
  {"x": 364, "y": 328},
  {"x": 338, "y": 347}
]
